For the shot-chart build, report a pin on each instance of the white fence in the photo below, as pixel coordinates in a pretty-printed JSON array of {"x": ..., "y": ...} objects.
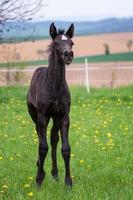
[{"x": 94, "y": 75}]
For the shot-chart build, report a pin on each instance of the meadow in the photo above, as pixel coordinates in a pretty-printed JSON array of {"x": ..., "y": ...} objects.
[{"x": 101, "y": 143}]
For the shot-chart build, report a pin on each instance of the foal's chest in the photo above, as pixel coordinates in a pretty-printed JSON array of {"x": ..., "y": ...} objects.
[{"x": 59, "y": 107}]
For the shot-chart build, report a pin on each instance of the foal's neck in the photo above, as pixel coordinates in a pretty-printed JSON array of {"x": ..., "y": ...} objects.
[{"x": 56, "y": 72}]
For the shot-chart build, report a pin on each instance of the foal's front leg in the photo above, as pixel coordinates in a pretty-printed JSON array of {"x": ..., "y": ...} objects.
[
  {"x": 66, "y": 149},
  {"x": 42, "y": 123},
  {"x": 54, "y": 142}
]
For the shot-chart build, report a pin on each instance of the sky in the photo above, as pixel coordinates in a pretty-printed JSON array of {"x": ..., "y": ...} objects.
[{"x": 87, "y": 9}]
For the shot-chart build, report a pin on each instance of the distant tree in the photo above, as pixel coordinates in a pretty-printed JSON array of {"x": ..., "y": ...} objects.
[
  {"x": 107, "y": 49},
  {"x": 129, "y": 45}
]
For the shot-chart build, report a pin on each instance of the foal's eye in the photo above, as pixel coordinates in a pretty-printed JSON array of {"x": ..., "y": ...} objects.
[{"x": 56, "y": 44}]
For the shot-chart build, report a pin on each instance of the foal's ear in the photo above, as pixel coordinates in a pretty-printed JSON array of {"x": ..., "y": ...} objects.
[
  {"x": 70, "y": 31},
  {"x": 53, "y": 31}
]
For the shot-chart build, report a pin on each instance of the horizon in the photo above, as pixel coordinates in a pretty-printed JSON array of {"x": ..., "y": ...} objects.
[
  {"x": 82, "y": 19},
  {"x": 86, "y": 10}
]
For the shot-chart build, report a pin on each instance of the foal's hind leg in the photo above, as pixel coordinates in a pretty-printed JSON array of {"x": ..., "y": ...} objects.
[
  {"x": 66, "y": 149},
  {"x": 54, "y": 141}
]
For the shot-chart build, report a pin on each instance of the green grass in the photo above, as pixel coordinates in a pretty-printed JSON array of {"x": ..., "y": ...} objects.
[
  {"x": 24, "y": 64},
  {"x": 101, "y": 142},
  {"x": 117, "y": 57}
]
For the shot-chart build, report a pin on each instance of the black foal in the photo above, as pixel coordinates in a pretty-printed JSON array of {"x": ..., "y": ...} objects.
[{"x": 49, "y": 97}]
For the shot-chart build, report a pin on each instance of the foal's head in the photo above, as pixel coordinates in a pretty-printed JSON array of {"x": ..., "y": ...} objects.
[{"x": 62, "y": 43}]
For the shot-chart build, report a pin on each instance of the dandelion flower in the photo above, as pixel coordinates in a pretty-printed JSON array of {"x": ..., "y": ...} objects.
[
  {"x": 84, "y": 136},
  {"x": 72, "y": 155},
  {"x": 81, "y": 161},
  {"x": 30, "y": 178},
  {"x": 126, "y": 128},
  {"x": 72, "y": 176},
  {"x": 109, "y": 135},
  {"x": 96, "y": 131},
  {"x": 35, "y": 140},
  {"x": 1, "y": 157},
  {"x": 30, "y": 194},
  {"x": 4, "y": 186},
  {"x": 27, "y": 185}
]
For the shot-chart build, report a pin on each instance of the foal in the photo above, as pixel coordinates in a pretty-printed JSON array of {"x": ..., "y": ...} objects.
[{"x": 49, "y": 97}]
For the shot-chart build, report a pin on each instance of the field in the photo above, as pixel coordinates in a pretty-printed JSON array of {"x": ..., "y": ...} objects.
[
  {"x": 84, "y": 46},
  {"x": 101, "y": 143}
]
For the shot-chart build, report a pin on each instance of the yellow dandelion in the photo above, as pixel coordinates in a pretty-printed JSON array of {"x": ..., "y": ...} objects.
[
  {"x": 72, "y": 155},
  {"x": 96, "y": 131},
  {"x": 126, "y": 128},
  {"x": 4, "y": 186},
  {"x": 11, "y": 158},
  {"x": 81, "y": 161},
  {"x": 84, "y": 105},
  {"x": 27, "y": 185},
  {"x": 35, "y": 140},
  {"x": 30, "y": 194},
  {"x": 109, "y": 135},
  {"x": 30, "y": 178},
  {"x": 1, "y": 157},
  {"x": 84, "y": 136}
]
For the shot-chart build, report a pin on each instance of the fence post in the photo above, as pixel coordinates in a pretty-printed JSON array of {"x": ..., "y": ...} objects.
[{"x": 87, "y": 76}]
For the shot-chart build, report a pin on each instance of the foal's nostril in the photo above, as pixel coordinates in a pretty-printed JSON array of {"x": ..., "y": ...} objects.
[
  {"x": 71, "y": 53},
  {"x": 66, "y": 53}
]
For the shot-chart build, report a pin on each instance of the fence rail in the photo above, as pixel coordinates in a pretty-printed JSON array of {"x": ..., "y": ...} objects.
[{"x": 94, "y": 75}]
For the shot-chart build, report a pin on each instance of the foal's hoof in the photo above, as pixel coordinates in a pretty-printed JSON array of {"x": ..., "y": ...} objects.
[
  {"x": 55, "y": 174},
  {"x": 39, "y": 179},
  {"x": 68, "y": 181}
]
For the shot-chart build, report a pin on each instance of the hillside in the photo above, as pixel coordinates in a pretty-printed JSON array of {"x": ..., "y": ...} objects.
[{"x": 38, "y": 30}]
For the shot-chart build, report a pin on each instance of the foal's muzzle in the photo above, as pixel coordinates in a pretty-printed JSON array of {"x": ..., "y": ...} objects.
[{"x": 68, "y": 57}]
